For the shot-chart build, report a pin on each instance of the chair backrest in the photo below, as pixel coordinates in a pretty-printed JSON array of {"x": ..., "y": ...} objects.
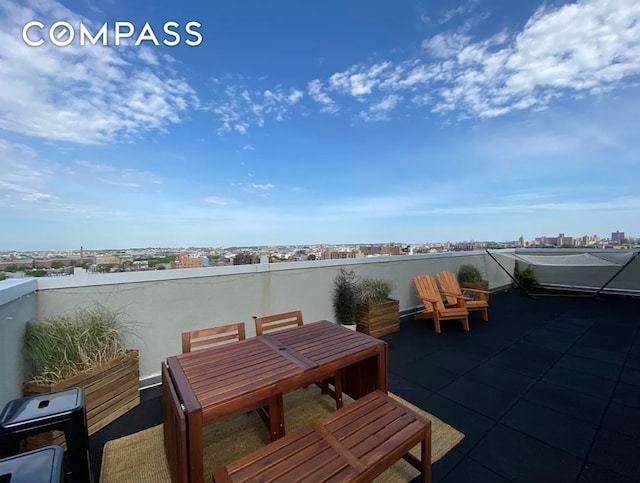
[
  {"x": 427, "y": 287},
  {"x": 449, "y": 283},
  {"x": 212, "y": 336},
  {"x": 269, "y": 323}
]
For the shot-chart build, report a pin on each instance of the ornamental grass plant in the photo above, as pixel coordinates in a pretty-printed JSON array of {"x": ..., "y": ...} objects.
[
  {"x": 374, "y": 291},
  {"x": 64, "y": 345}
]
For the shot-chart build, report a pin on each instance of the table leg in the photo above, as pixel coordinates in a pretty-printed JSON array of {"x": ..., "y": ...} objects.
[
  {"x": 382, "y": 369},
  {"x": 426, "y": 456},
  {"x": 196, "y": 455},
  {"x": 276, "y": 417}
]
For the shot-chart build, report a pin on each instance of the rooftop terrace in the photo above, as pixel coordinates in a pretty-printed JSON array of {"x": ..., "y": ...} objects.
[{"x": 547, "y": 390}]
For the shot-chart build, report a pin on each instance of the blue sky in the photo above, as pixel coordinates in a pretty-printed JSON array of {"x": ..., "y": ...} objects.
[{"x": 320, "y": 122}]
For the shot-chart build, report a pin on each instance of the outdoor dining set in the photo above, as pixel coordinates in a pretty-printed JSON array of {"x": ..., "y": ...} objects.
[{"x": 221, "y": 374}]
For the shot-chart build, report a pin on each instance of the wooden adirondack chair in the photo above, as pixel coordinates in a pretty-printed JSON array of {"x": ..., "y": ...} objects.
[
  {"x": 434, "y": 307},
  {"x": 452, "y": 291}
]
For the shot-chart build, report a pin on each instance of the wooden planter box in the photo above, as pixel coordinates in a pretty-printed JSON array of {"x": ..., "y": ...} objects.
[
  {"x": 109, "y": 392},
  {"x": 379, "y": 320},
  {"x": 482, "y": 285}
]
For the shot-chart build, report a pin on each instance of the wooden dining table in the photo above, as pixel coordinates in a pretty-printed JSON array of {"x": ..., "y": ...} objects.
[{"x": 213, "y": 384}]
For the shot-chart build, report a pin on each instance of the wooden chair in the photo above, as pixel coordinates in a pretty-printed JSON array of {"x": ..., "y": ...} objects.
[
  {"x": 451, "y": 290},
  {"x": 217, "y": 335},
  {"x": 269, "y": 323},
  {"x": 434, "y": 307},
  {"x": 212, "y": 336}
]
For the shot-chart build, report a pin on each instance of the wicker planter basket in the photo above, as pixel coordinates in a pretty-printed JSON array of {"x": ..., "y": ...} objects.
[
  {"x": 379, "y": 320},
  {"x": 109, "y": 391}
]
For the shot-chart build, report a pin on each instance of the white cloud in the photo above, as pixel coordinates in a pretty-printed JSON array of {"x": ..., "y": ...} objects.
[
  {"x": 149, "y": 56},
  {"x": 386, "y": 104},
  {"x": 33, "y": 188},
  {"x": 359, "y": 80},
  {"x": 317, "y": 94},
  {"x": 239, "y": 108},
  {"x": 577, "y": 48},
  {"x": 248, "y": 147},
  {"x": 115, "y": 175},
  {"x": 294, "y": 96},
  {"x": 378, "y": 110},
  {"x": 586, "y": 48},
  {"x": 264, "y": 187},
  {"x": 443, "y": 45},
  {"x": 83, "y": 94},
  {"x": 216, "y": 200}
]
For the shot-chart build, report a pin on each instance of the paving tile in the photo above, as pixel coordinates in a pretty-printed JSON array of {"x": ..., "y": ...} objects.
[
  {"x": 623, "y": 419},
  {"x": 581, "y": 381},
  {"x": 470, "y": 470},
  {"x": 595, "y": 352},
  {"x": 617, "y": 452},
  {"x": 444, "y": 466},
  {"x": 526, "y": 359},
  {"x": 501, "y": 378},
  {"x": 482, "y": 398},
  {"x": 407, "y": 389},
  {"x": 628, "y": 394},
  {"x": 550, "y": 339},
  {"x": 455, "y": 361},
  {"x": 522, "y": 458},
  {"x": 427, "y": 375},
  {"x": 573, "y": 326},
  {"x": 543, "y": 423},
  {"x": 596, "y": 474},
  {"x": 590, "y": 366},
  {"x": 567, "y": 401},
  {"x": 630, "y": 376},
  {"x": 633, "y": 361},
  {"x": 471, "y": 423}
]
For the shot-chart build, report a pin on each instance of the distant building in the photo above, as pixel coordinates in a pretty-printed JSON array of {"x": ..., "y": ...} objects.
[
  {"x": 391, "y": 249},
  {"x": 335, "y": 254},
  {"x": 557, "y": 241},
  {"x": 369, "y": 250},
  {"x": 183, "y": 261},
  {"x": 618, "y": 237},
  {"x": 245, "y": 259}
]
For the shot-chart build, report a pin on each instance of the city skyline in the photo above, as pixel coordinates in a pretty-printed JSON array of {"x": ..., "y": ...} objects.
[{"x": 342, "y": 122}]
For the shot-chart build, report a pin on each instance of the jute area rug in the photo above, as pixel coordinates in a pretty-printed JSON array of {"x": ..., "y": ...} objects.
[{"x": 140, "y": 458}]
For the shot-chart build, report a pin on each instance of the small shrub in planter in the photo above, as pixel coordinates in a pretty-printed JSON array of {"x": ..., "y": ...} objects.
[
  {"x": 378, "y": 314},
  {"x": 526, "y": 277},
  {"x": 469, "y": 276},
  {"x": 345, "y": 297}
]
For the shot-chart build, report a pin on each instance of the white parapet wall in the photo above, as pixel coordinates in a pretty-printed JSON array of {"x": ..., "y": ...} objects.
[
  {"x": 18, "y": 305},
  {"x": 163, "y": 304}
]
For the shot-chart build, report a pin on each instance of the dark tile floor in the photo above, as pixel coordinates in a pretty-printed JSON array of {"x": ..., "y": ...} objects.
[{"x": 547, "y": 390}]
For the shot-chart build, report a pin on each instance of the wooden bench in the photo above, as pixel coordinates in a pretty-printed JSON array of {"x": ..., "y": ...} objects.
[{"x": 354, "y": 444}]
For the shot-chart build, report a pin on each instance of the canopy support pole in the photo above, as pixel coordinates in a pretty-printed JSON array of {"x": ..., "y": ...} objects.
[{"x": 635, "y": 255}]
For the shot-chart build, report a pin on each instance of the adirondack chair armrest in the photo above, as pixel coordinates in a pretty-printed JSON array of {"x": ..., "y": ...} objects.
[
  {"x": 476, "y": 290},
  {"x": 428, "y": 299},
  {"x": 458, "y": 296}
]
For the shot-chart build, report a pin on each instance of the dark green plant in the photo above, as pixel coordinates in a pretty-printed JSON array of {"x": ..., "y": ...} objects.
[
  {"x": 469, "y": 274},
  {"x": 345, "y": 297},
  {"x": 521, "y": 274},
  {"x": 63, "y": 345},
  {"x": 374, "y": 291}
]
